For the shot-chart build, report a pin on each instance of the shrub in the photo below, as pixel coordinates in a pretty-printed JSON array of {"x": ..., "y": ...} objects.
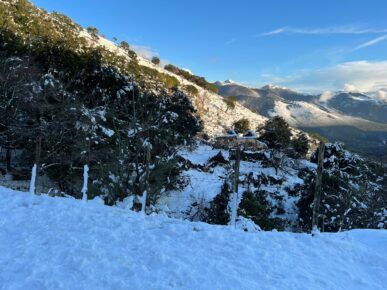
[
  {"x": 191, "y": 90},
  {"x": 276, "y": 133},
  {"x": 300, "y": 145},
  {"x": 172, "y": 68},
  {"x": 92, "y": 31},
  {"x": 218, "y": 212},
  {"x": 155, "y": 60},
  {"x": 255, "y": 207},
  {"x": 170, "y": 81},
  {"x": 230, "y": 102},
  {"x": 124, "y": 45},
  {"x": 241, "y": 125},
  {"x": 200, "y": 81},
  {"x": 319, "y": 137}
]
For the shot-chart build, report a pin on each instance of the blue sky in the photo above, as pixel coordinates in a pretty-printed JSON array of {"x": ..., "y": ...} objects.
[{"x": 306, "y": 45}]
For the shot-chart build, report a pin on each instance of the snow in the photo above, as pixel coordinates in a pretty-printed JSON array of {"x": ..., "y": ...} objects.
[
  {"x": 202, "y": 187},
  {"x": 303, "y": 114},
  {"x": 204, "y": 182},
  {"x": 143, "y": 201},
  {"x": 33, "y": 179},
  {"x": 85, "y": 179},
  {"x": 201, "y": 154},
  {"x": 234, "y": 207},
  {"x": 62, "y": 243},
  {"x": 108, "y": 132}
]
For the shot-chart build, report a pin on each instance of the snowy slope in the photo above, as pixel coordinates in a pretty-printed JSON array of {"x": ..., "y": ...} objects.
[
  {"x": 216, "y": 119},
  {"x": 58, "y": 243},
  {"x": 301, "y": 110},
  {"x": 303, "y": 114},
  {"x": 205, "y": 182}
]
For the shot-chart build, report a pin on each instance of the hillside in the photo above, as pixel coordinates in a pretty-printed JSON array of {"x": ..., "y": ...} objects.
[
  {"x": 356, "y": 119},
  {"x": 211, "y": 107},
  {"x": 71, "y": 245},
  {"x": 28, "y": 24},
  {"x": 277, "y": 196},
  {"x": 70, "y": 100}
]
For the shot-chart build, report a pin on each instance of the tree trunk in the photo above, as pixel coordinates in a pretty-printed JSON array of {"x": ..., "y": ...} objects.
[
  {"x": 317, "y": 193},
  {"x": 38, "y": 149},
  {"x": 8, "y": 155}
]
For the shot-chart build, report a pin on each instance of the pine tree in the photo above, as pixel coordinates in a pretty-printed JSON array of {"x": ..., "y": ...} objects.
[
  {"x": 218, "y": 212},
  {"x": 276, "y": 133}
]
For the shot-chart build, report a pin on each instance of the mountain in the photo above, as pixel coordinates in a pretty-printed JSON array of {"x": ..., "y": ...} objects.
[
  {"x": 360, "y": 105},
  {"x": 359, "y": 120}
]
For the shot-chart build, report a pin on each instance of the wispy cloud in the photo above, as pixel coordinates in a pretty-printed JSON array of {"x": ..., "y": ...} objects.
[
  {"x": 145, "y": 51},
  {"x": 148, "y": 52},
  {"x": 371, "y": 42},
  {"x": 231, "y": 41},
  {"x": 347, "y": 29},
  {"x": 362, "y": 75}
]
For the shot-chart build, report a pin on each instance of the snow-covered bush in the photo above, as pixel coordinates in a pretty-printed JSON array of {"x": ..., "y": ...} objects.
[
  {"x": 353, "y": 192},
  {"x": 218, "y": 211},
  {"x": 72, "y": 109}
]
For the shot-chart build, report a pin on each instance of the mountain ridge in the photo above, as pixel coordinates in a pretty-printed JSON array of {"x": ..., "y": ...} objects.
[{"x": 327, "y": 113}]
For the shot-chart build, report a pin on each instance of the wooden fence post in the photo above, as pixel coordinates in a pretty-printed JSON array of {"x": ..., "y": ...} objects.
[
  {"x": 318, "y": 186},
  {"x": 234, "y": 208}
]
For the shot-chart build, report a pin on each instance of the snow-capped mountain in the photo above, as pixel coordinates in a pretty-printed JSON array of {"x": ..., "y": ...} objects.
[
  {"x": 345, "y": 116},
  {"x": 367, "y": 106}
]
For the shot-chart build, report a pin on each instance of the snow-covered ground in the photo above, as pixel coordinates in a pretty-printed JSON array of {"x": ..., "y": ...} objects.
[
  {"x": 205, "y": 182},
  {"x": 63, "y": 243}
]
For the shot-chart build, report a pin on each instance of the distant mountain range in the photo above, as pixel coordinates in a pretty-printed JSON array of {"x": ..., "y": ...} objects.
[{"x": 357, "y": 119}]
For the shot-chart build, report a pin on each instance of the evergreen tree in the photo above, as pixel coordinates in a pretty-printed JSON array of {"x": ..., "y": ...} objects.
[
  {"x": 155, "y": 60},
  {"x": 93, "y": 31},
  {"x": 242, "y": 125},
  {"x": 218, "y": 212},
  {"x": 300, "y": 146},
  {"x": 276, "y": 133},
  {"x": 353, "y": 195}
]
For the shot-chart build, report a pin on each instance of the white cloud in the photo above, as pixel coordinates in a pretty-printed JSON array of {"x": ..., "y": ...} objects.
[
  {"x": 149, "y": 52},
  {"x": 381, "y": 95},
  {"x": 360, "y": 75},
  {"x": 145, "y": 51},
  {"x": 350, "y": 88},
  {"x": 187, "y": 70},
  {"x": 372, "y": 42},
  {"x": 326, "y": 96},
  {"x": 346, "y": 29}
]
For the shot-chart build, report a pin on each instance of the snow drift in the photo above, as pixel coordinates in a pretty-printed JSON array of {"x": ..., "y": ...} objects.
[{"x": 62, "y": 243}]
